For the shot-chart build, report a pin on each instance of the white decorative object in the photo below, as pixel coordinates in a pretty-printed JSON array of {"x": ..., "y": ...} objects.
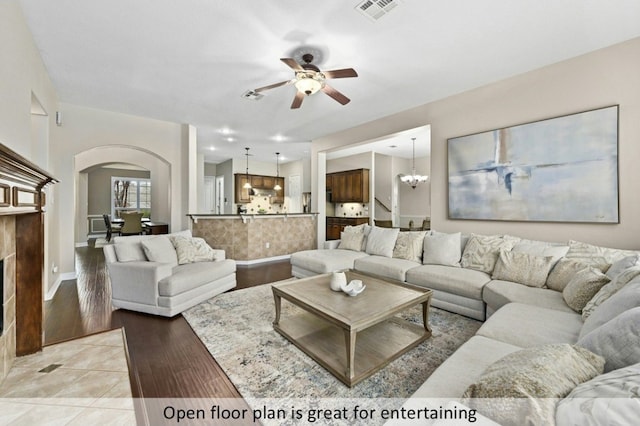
[
  {"x": 338, "y": 281},
  {"x": 354, "y": 288}
]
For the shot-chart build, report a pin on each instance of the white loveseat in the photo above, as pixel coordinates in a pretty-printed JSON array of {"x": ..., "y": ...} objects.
[{"x": 146, "y": 275}]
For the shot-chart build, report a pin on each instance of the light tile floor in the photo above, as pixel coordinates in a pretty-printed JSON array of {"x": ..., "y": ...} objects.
[{"x": 91, "y": 385}]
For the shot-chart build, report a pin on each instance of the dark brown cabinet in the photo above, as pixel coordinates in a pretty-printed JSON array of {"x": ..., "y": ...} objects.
[
  {"x": 242, "y": 195},
  {"x": 351, "y": 186},
  {"x": 335, "y": 225}
]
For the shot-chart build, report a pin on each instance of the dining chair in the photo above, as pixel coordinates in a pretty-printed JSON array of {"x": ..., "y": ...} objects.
[
  {"x": 132, "y": 223},
  {"x": 111, "y": 228},
  {"x": 426, "y": 224}
]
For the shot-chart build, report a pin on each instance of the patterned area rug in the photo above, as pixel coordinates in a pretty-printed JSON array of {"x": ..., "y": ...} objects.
[{"x": 236, "y": 329}]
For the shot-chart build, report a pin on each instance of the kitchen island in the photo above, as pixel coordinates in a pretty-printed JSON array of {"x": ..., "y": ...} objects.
[{"x": 251, "y": 238}]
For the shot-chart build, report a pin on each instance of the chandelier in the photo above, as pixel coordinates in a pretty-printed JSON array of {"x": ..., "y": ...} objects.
[{"x": 413, "y": 179}]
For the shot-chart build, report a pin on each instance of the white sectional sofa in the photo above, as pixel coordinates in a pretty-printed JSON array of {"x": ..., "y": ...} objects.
[
  {"x": 535, "y": 298},
  {"x": 166, "y": 274}
]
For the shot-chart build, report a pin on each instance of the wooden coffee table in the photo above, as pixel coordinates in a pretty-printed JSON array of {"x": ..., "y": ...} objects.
[{"x": 352, "y": 337}]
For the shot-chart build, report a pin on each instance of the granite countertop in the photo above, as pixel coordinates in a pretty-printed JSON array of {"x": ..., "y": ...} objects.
[{"x": 249, "y": 214}]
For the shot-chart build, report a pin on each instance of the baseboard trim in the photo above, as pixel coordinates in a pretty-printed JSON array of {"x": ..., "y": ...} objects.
[
  {"x": 83, "y": 244},
  {"x": 263, "y": 260},
  {"x": 62, "y": 277}
]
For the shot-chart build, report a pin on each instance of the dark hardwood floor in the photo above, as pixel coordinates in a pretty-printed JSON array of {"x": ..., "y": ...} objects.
[{"x": 167, "y": 360}]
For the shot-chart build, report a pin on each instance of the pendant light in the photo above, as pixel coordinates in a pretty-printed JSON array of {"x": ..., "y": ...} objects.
[
  {"x": 413, "y": 179},
  {"x": 247, "y": 184},
  {"x": 277, "y": 187}
]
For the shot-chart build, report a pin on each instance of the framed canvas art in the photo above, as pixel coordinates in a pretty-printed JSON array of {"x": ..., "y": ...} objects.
[{"x": 563, "y": 169}]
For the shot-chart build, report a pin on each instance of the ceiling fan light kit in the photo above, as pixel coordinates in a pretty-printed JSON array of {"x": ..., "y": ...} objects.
[{"x": 309, "y": 80}]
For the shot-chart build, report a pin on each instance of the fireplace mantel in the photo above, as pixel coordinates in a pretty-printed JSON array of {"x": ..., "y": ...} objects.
[
  {"x": 22, "y": 203},
  {"x": 21, "y": 184}
]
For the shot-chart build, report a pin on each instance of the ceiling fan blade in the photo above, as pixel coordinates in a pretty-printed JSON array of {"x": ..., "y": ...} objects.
[
  {"x": 343, "y": 73},
  {"x": 297, "y": 101},
  {"x": 335, "y": 94},
  {"x": 273, "y": 86},
  {"x": 292, "y": 64}
]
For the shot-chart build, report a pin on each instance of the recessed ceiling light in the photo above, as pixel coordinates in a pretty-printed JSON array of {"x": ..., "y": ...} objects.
[
  {"x": 212, "y": 148},
  {"x": 230, "y": 139},
  {"x": 279, "y": 138},
  {"x": 225, "y": 131}
]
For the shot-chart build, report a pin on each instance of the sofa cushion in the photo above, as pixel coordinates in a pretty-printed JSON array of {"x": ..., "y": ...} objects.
[
  {"x": 129, "y": 252},
  {"x": 498, "y": 293},
  {"x": 610, "y": 289},
  {"x": 617, "y": 340},
  {"x": 582, "y": 287},
  {"x": 621, "y": 265},
  {"x": 626, "y": 298},
  {"x": 541, "y": 248},
  {"x": 525, "y": 325},
  {"x": 191, "y": 275},
  {"x": 323, "y": 261},
  {"x": 596, "y": 255},
  {"x": 460, "y": 281},
  {"x": 442, "y": 249},
  {"x": 191, "y": 250},
  {"x": 159, "y": 249},
  {"x": 481, "y": 252},
  {"x": 395, "y": 269},
  {"x": 522, "y": 268},
  {"x": 381, "y": 241},
  {"x": 351, "y": 241},
  {"x": 521, "y": 387},
  {"x": 409, "y": 245},
  {"x": 608, "y": 399},
  {"x": 562, "y": 273},
  {"x": 463, "y": 368}
]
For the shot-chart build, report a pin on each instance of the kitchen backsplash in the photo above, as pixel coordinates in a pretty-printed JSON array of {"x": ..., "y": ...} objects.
[
  {"x": 351, "y": 209},
  {"x": 261, "y": 202}
]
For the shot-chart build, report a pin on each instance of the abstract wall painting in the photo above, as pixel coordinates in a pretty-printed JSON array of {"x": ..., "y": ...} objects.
[{"x": 563, "y": 169}]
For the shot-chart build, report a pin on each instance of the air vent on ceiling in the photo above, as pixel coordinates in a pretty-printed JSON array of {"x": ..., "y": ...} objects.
[
  {"x": 376, "y": 9},
  {"x": 253, "y": 95}
]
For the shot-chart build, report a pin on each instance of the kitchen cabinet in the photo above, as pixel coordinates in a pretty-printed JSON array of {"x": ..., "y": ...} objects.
[
  {"x": 351, "y": 186},
  {"x": 335, "y": 225},
  {"x": 278, "y": 198},
  {"x": 242, "y": 195}
]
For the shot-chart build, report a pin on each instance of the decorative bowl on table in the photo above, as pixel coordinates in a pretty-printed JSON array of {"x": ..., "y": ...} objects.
[{"x": 354, "y": 288}]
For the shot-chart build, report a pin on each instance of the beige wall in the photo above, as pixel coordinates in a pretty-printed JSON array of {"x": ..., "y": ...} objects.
[
  {"x": 90, "y": 136},
  {"x": 22, "y": 73},
  {"x": 601, "y": 78}
]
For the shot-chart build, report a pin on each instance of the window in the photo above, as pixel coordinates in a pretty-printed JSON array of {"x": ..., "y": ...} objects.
[{"x": 130, "y": 194}]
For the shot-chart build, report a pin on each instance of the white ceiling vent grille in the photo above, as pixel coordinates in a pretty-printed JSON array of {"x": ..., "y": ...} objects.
[
  {"x": 253, "y": 95},
  {"x": 376, "y": 9}
]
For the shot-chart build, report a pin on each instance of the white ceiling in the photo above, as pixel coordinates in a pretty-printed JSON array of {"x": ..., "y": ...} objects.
[{"x": 189, "y": 61}]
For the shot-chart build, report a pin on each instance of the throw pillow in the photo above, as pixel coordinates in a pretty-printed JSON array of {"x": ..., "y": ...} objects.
[
  {"x": 160, "y": 249},
  {"x": 481, "y": 252},
  {"x": 608, "y": 399},
  {"x": 521, "y": 386},
  {"x": 621, "y": 265},
  {"x": 381, "y": 241},
  {"x": 522, "y": 268},
  {"x": 442, "y": 249},
  {"x": 595, "y": 255},
  {"x": 362, "y": 228},
  {"x": 562, "y": 273},
  {"x": 610, "y": 289},
  {"x": 541, "y": 248},
  {"x": 129, "y": 252},
  {"x": 351, "y": 241},
  {"x": 190, "y": 250},
  {"x": 626, "y": 298},
  {"x": 582, "y": 287},
  {"x": 409, "y": 245},
  {"x": 616, "y": 340}
]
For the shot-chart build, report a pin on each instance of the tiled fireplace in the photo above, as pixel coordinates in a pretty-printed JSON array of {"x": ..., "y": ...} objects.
[
  {"x": 21, "y": 256},
  {"x": 8, "y": 257}
]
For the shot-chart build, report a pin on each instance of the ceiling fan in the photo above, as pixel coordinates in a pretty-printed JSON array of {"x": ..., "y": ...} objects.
[{"x": 309, "y": 79}]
